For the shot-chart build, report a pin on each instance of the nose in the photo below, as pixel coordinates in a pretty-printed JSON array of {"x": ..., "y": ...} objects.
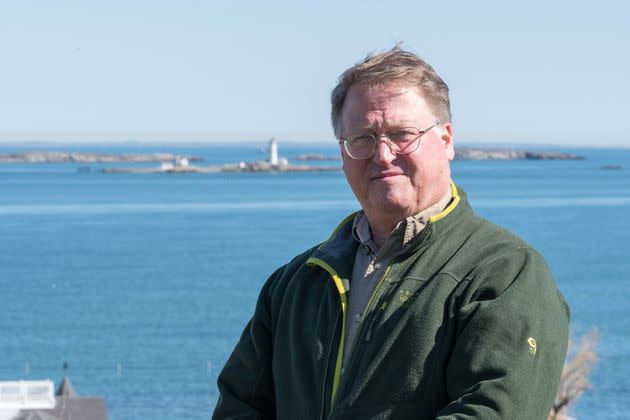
[{"x": 383, "y": 152}]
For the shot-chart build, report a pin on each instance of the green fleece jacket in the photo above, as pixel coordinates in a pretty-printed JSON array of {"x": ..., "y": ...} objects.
[{"x": 467, "y": 323}]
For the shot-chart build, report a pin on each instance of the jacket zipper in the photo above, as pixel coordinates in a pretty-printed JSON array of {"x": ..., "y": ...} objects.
[
  {"x": 353, "y": 355},
  {"x": 368, "y": 335},
  {"x": 326, "y": 368},
  {"x": 342, "y": 288},
  {"x": 353, "y": 361},
  {"x": 373, "y": 295}
]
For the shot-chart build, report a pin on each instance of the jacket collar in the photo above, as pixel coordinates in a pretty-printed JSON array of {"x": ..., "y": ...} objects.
[
  {"x": 337, "y": 254},
  {"x": 404, "y": 232}
]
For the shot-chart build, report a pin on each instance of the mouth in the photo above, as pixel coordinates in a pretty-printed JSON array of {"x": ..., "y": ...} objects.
[{"x": 385, "y": 175}]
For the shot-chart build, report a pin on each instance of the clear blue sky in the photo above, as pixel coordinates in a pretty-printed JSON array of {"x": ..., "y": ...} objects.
[{"x": 519, "y": 72}]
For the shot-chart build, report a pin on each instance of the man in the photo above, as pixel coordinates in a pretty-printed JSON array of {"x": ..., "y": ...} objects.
[{"x": 414, "y": 308}]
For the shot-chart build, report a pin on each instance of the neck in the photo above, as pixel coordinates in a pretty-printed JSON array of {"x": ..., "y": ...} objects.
[
  {"x": 381, "y": 229},
  {"x": 383, "y": 223},
  {"x": 380, "y": 237}
]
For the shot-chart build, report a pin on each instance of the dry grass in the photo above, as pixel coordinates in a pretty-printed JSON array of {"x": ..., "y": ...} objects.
[{"x": 575, "y": 373}]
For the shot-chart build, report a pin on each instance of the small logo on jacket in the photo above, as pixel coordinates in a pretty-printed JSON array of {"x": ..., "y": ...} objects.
[
  {"x": 532, "y": 345},
  {"x": 404, "y": 295}
]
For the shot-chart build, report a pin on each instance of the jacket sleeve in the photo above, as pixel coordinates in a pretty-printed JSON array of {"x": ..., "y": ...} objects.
[
  {"x": 511, "y": 341},
  {"x": 245, "y": 384}
]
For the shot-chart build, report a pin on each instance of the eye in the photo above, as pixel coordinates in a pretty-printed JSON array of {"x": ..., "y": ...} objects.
[
  {"x": 403, "y": 135},
  {"x": 361, "y": 139}
]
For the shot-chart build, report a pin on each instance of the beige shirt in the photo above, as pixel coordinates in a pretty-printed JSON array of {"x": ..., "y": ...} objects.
[{"x": 371, "y": 262}]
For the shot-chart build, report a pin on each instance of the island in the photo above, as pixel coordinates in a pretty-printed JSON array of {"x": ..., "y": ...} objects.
[
  {"x": 172, "y": 163},
  {"x": 273, "y": 164},
  {"x": 258, "y": 166},
  {"x": 76, "y": 157},
  {"x": 468, "y": 153},
  {"x": 317, "y": 156}
]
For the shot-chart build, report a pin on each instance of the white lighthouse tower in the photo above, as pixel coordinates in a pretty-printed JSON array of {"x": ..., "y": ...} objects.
[{"x": 273, "y": 152}]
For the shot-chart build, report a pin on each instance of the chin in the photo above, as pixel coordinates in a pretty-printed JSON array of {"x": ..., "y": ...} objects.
[
  {"x": 391, "y": 197},
  {"x": 392, "y": 206}
]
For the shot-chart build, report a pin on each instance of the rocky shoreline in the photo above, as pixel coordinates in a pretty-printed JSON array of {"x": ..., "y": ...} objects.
[
  {"x": 469, "y": 153},
  {"x": 466, "y": 153},
  {"x": 461, "y": 153},
  {"x": 172, "y": 163},
  {"x": 76, "y": 157},
  {"x": 248, "y": 167}
]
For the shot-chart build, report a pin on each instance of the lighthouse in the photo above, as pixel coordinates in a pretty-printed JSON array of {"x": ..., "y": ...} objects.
[{"x": 273, "y": 152}]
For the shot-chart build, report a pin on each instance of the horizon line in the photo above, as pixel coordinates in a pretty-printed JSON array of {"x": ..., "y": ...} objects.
[{"x": 185, "y": 143}]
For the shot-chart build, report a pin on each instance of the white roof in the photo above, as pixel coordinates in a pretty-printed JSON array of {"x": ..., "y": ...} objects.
[{"x": 26, "y": 395}]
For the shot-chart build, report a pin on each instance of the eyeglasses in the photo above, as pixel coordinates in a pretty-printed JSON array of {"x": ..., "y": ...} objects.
[{"x": 401, "y": 141}]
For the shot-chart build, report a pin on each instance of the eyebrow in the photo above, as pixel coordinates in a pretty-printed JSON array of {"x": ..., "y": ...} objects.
[{"x": 387, "y": 128}]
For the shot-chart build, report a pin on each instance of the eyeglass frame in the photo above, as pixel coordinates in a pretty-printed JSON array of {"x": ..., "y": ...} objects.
[{"x": 387, "y": 140}]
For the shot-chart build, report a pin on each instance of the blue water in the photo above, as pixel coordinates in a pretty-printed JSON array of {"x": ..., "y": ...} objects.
[{"x": 143, "y": 283}]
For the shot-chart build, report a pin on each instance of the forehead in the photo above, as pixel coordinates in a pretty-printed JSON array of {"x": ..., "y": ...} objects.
[{"x": 391, "y": 104}]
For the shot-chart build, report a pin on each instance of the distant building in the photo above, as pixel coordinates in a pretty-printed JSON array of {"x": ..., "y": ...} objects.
[
  {"x": 177, "y": 163},
  {"x": 25, "y": 395},
  {"x": 182, "y": 162},
  {"x": 33, "y": 400}
]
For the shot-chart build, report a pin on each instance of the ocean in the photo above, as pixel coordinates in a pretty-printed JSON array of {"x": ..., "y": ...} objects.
[{"x": 143, "y": 283}]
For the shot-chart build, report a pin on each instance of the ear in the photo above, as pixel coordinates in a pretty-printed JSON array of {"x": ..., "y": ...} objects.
[{"x": 447, "y": 140}]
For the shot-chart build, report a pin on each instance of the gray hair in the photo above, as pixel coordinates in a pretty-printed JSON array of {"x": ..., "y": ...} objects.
[{"x": 393, "y": 66}]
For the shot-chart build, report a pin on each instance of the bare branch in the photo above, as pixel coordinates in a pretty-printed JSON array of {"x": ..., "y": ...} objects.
[{"x": 574, "y": 380}]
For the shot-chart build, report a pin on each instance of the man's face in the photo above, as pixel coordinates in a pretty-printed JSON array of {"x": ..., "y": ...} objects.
[{"x": 392, "y": 187}]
